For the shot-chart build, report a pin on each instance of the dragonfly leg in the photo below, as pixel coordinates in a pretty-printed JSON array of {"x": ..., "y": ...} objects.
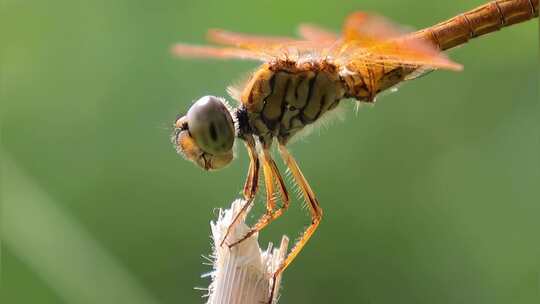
[
  {"x": 315, "y": 210},
  {"x": 252, "y": 180},
  {"x": 271, "y": 175},
  {"x": 250, "y": 186},
  {"x": 275, "y": 173}
]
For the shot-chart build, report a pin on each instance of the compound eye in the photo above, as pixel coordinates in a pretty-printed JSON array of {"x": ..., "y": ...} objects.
[{"x": 211, "y": 125}]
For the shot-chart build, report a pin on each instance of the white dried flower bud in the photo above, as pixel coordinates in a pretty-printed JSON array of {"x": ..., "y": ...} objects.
[{"x": 242, "y": 274}]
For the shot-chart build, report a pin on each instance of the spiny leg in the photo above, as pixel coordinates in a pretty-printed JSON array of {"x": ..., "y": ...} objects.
[
  {"x": 251, "y": 184},
  {"x": 275, "y": 173},
  {"x": 281, "y": 185},
  {"x": 268, "y": 184},
  {"x": 270, "y": 201},
  {"x": 270, "y": 172},
  {"x": 315, "y": 210},
  {"x": 248, "y": 184},
  {"x": 252, "y": 180}
]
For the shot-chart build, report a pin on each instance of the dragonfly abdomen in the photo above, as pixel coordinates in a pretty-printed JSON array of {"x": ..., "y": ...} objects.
[
  {"x": 282, "y": 98},
  {"x": 482, "y": 20},
  {"x": 364, "y": 82}
]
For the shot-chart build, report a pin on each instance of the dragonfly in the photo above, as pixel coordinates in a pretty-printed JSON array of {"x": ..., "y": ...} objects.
[{"x": 302, "y": 80}]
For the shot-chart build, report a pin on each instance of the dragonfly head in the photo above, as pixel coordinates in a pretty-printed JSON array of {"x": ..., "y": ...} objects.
[{"x": 206, "y": 134}]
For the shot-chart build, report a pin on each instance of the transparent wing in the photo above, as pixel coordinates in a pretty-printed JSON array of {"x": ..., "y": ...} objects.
[
  {"x": 242, "y": 40},
  {"x": 371, "y": 39},
  {"x": 275, "y": 46},
  {"x": 198, "y": 51},
  {"x": 420, "y": 72},
  {"x": 316, "y": 33},
  {"x": 366, "y": 40},
  {"x": 250, "y": 47}
]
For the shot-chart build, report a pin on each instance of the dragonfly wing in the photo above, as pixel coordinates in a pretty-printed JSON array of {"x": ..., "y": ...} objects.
[
  {"x": 274, "y": 46},
  {"x": 316, "y": 33},
  {"x": 369, "y": 29},
  {"x": 372, "y": 39},
  {"x": 242, "y": 40},
  {"x": 420, "y": 72},
  {"x": 410, "y": 52},
  {"x": 199, "y": 51}
]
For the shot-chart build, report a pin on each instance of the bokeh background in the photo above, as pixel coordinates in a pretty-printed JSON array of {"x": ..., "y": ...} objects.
[{"x": 431, "y": 196}]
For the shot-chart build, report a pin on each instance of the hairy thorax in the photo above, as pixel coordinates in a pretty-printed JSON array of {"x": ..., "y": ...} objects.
[{"x": 283, "y": 97}]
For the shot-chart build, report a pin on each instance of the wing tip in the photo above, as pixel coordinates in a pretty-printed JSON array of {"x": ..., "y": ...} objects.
[
  {"x": 451, "y": 66},
  {"x": 181, "y": 50}
]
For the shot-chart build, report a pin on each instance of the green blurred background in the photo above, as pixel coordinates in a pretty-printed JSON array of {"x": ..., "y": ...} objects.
[{"x": 431, "y": 196}]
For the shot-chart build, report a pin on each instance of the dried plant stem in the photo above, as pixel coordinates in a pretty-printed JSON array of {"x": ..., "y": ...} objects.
[{"x": 242, "y": 274}]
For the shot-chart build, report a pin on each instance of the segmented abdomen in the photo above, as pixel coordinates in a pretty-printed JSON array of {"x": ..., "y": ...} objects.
[{"x": 283, "y": 98}]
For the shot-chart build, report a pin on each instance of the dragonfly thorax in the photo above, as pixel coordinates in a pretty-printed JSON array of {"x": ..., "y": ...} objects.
[{"x": 282, "y": 98}]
